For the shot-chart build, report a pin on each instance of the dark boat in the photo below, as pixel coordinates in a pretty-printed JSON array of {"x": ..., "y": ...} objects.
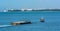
[{"x": 20, "y": 23}]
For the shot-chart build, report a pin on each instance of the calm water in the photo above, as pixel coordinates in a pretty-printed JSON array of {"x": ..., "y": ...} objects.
[{"x": 52, "y": 21}]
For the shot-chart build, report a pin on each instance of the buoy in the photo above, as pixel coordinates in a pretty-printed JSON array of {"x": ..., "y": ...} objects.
[{"x": 41, "y": 19}]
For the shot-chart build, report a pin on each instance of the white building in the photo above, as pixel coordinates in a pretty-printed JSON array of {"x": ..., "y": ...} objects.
[
  {"x": 22, "y": 9},
  {"x": 5, "y": 11}
]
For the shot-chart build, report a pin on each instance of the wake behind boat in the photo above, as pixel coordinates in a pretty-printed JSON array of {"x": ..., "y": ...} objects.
[{"x": 5, "y": 25}]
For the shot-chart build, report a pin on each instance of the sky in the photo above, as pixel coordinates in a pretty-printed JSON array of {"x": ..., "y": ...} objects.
[{"x": 17, "y": 4}]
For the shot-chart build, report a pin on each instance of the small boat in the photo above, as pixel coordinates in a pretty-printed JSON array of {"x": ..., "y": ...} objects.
[
  {"x": 41, "y": 19},
  {"x": 20, "y": 23}
]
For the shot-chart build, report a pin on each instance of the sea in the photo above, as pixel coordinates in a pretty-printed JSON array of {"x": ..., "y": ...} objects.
[{"x": 51, "y": 21}]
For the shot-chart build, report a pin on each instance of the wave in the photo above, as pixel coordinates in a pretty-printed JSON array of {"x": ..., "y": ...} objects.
[{"x": 5, "y": 25}]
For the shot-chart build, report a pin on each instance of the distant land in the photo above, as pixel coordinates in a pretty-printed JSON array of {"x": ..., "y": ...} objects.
[{"x": 17, "y": 10}]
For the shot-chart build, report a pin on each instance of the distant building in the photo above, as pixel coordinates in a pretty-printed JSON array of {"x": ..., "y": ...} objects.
[
  {"x": 26, "y": 9},
  {"x": 14, "y": 10},
  {"x": 29, "y": 9},
  {"x": 22, "y": 9},
  {"x": 5, "y": 11}
]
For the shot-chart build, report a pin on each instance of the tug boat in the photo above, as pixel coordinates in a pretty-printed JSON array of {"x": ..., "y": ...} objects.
[{"x": 20, "y": 23}]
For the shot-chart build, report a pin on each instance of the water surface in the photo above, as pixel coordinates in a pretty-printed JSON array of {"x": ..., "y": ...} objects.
[{"x": 52, "y": 21}]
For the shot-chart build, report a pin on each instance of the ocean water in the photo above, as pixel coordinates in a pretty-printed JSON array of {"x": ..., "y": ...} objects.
[{"x": 52, "y": 21}]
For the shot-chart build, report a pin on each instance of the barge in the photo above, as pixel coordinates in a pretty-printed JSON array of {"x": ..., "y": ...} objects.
[{"x": 20, "y": 23}]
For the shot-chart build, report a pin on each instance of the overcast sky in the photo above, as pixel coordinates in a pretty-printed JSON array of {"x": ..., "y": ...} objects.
[{"x": 16, "y": 4}]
